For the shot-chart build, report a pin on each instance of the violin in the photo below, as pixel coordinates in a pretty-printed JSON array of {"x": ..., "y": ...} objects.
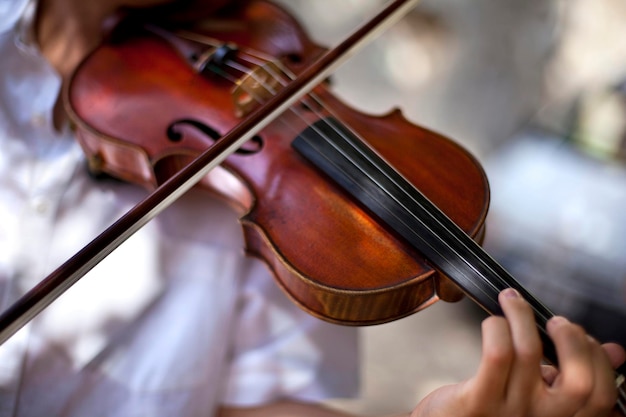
[
  {"x": 362, "y": 219},
  {"x": 327, "y": 251}
]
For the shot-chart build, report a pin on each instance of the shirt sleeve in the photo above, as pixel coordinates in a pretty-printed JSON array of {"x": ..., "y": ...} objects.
[
  {"x": 281, "y": 352},
  {"x": 10, "y": 13}
]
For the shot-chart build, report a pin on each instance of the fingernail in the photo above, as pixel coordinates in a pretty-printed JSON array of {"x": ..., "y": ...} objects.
[
  {"x": 558, "y": 320},
  {"x": 510, "y": 293}
]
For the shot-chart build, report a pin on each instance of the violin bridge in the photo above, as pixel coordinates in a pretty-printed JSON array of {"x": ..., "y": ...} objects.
[{"x": 255, "y": 87}]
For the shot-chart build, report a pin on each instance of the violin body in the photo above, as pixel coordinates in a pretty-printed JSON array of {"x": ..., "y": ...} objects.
[{"x": 141, "y": 111}]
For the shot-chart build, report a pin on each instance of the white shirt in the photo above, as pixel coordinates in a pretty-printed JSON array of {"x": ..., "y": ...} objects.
[{"x": 173, "y": 323}]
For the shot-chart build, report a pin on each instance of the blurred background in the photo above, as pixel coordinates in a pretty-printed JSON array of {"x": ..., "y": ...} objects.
[{"x": 535, "y": 90}]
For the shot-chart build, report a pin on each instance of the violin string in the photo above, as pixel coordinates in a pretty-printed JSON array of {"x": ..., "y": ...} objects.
[
  {"x": 621, "y": 399},
  {"x": 621, "y": 393},
  {"x": 190, "y": 36}
]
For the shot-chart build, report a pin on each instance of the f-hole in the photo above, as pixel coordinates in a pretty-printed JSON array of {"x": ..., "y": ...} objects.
[
  {"x": 164, "y": 168},
  {"x": 176, "y": 134}
]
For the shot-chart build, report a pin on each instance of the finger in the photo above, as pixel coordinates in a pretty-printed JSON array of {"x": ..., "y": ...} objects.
[
  {"x": 574, "y": 384},
  {"x": 604, "y": 394},
  {"x": 491, "y": 380},
  {"x": 616, "y": 354},
  {"x": 526, "y": 374},
  {"x": 549, "y": 373}
]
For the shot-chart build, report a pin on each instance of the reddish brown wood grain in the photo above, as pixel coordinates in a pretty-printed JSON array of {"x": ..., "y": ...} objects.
[{"x": 327, "y": 252}]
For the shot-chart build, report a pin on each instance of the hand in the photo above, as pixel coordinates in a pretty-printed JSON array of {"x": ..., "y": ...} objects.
[
  {"x": 68, "y": 30},
  {"x": 510, "y": 380}
]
